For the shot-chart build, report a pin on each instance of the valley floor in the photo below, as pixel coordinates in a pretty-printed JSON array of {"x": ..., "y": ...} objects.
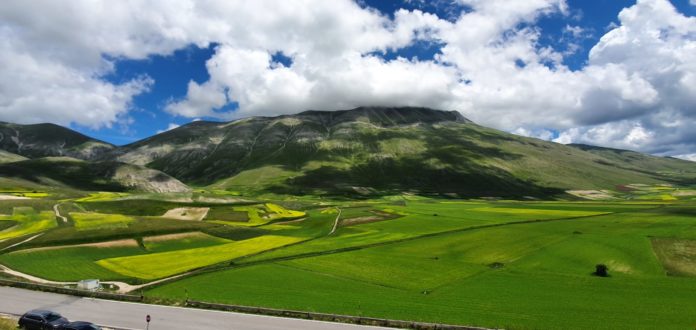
[{"x": 496, "y": 264}]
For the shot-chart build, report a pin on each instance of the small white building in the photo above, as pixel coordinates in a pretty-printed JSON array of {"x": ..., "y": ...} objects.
[{"x": 91, "y": 285}]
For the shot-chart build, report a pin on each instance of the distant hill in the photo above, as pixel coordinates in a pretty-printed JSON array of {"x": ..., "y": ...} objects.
[
  {"x": 639, "y": 161},
  {"x": 95, "y": 176},
  {"x": 46, "y": 140}
]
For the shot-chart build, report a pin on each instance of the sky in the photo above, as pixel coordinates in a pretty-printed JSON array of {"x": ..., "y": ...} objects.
[{"x": 614, "y": 73}]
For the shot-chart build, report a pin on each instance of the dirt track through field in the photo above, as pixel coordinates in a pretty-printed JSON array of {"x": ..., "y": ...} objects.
[
  {"x": 55, "y": 209},
  {"x": 335, "y": 226},
  {"x": 22, "y": 242},
  {"x": 169, "y": 237},
  {"x": 128, "y": 242}
]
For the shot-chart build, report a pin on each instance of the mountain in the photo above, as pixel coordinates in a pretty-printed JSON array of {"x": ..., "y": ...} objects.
[
  {"x": 46, "y": 140},
  {"x": 376, "y": 150},
  {"x": 96, "y": 176},
  {"x": 368, "y": 150}
]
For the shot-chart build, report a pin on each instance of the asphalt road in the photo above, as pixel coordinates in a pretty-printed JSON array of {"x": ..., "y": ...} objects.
[{"x": 125, "y": 315}]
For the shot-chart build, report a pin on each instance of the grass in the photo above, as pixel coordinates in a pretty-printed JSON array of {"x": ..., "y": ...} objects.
[
  {"x": 227, "y": 214},
  {"x": 255, "y": 178},
  {"x": 74, "y": 263},
  {"x": 29, "y": 221},
  {"x": 507, "y": 264},
  {"x": 102, "y": 196},
  {"x": 184, "y": 241},
  {"x": 256, "y": 215},
  {"x": 8, "y": 206},
  {"x": 7, "y": 323},
  {"x": 159, "y": 265},
  {"x": 4, "y": 224},
  {"x": 32, "y": 194},
  {"x": 420, "y": 218},
  {"x": 523, "y": 276},
  {"x": 537, "y": 213},
  {"x": 678, "y": 256},
  {"x": 385, "y": 268},
  {"x": 68, "y": 264},
  {"x": 141, "y": 207},
  {"x": 283, "y": 213},
  {"x": 502, "y": 298},
  {"x": 138, "y": 228},
  {"x": 92, "y": 221}
]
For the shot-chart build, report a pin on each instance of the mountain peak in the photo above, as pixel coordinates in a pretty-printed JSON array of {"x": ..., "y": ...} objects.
[{"x": 387, "y": 116}]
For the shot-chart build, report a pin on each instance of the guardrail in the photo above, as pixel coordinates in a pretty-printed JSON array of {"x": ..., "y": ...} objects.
[
  {"x": 359, "y": 320},
  {"x": 328, "y": 317}
]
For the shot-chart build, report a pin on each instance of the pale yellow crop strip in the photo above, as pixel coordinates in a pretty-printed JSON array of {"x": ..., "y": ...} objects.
[
  {"x": 26, "y": 226},
  {"x": 548, "y": 212},
  {"x": 159, "y": 265}
]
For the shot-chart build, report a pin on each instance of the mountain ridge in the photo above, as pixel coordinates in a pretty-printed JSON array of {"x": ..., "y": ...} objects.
[
  {"x": 382, "y": 150},
  {"x": 48, "y": 140}
]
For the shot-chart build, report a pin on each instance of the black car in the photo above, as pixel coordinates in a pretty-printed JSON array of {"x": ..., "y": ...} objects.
[
  {"x": 80, "y": 325},
  {"x": 39, "y": 319}
]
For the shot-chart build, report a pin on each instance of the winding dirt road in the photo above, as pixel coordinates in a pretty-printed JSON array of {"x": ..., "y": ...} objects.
[
  {"x": 335, "y": 226},
  {"x": 55, "y": 209}
]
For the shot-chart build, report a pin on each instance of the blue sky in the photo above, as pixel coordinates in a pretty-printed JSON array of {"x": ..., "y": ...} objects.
[{"x": 522, "y": 67}]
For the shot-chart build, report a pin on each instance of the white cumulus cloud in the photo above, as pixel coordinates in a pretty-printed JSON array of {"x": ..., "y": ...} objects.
[
  {"x": 170, "y": 127},
  {"x": 638, "y": 89}
]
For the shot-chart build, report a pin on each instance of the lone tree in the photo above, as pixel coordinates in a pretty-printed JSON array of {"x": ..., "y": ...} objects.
[{"x": 601, "y": 270}]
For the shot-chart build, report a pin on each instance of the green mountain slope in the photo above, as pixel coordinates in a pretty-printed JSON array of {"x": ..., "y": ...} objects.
[
  {"x": 82, "y": 175},
  {"x": 368, "y": 150},
  {"x": 385, "y": 150},
  {"x": 8, "y": 157},
  {"x": 46, "y": 140},
  {"x": 639, "y": 161}
]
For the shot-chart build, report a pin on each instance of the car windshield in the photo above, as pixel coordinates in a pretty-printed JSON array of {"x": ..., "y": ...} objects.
[{"x": 52, "y": 317}]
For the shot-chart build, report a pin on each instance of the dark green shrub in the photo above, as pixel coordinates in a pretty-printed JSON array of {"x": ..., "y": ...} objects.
[{"x": 601, "y": 270}]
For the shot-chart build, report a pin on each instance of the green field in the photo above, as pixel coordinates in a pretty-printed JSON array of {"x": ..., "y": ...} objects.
[
  {"x": 159, "y": 265},
  {"x": 92, "y": 221},
  {"x": 27, "y": 221},
  {"x": 502, "y": 263},
  {"x": 253, "y": 215},
  {"x": 72, "y": 263},
  {"x": 68, "y": 264},
  {"x": 182, "y": 241},
  {"x": 519, "y": 276}
]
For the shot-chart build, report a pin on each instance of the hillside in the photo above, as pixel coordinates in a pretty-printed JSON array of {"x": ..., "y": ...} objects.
[
  {"x": 47, "y": 140},
  {"x": 638, "y": 161},
  {"x": 373, "y": 150},
  {"x": 364, "y": 151},
  {"x": 8, "y": 157},
  {"x": 78, "y": 174}
]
